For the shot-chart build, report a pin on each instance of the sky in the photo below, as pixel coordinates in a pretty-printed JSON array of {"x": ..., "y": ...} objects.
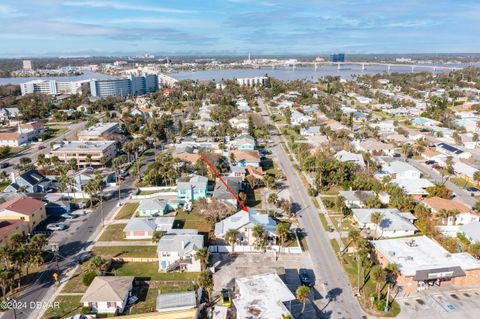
[{"x": 32, "y": 28}]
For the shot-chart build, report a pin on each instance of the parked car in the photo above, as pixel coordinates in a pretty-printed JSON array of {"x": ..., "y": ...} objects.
[
  {"x": 473, "y": 189},
  {"x": 226, "y": 298},
  {"x": 41, "y": 147},
  {"x": 305, "y": 278},
  {"x": 79, "y": 212},
  {"x": 396, "y": 155},
  {"x": 68, "y": 216},
  {"x": 57, "y": 226},
  {"x": 4, "y": 164},
  {"x": 83, "y": 257},
  {"x": 430, "y": 162},
  {"x": 436, "y": 166}
]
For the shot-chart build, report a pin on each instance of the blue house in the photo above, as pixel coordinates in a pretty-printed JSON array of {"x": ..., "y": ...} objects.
[
  {"x": 244, "y": 142},
  {"x": 195, "y": 188}
]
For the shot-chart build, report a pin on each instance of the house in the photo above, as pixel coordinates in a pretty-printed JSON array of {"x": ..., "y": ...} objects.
[
  {"x": 221, "y": 193},
  {"x": 143, "y": 228},
  {"x": 310, "y": 131},
  {"x": 471, "y": 231},
  {"x": 399, "y": 169},
  {"x": 242, "y": 106},
  {"x": 244, "y": 223},
  {"x": 318, "y": 141},
  {"x": 31, "y": 211},
  {"x": 176, "y": 250},
  {"x": 374, "y": 147},
  {"x": 30, "y": 181},
  {"x": 257, "y": 172},
  {"x": 464, "y": 170},
  {"x": 262, "y": 297},
  {"x": 81, "y": 178},
  {"x": 31, "y": 129},
  {"x": 238, "y": 171},
  {"x": 465, "y": 214},
  {"x": 384, "y": 126},
  {"x": 195, "y": 188},
  {"x": 414, "y": 187},
  {"x": 12, "y": 139},
  {"x": 239, "y": 122},
  {"x": 450, "y": 150},
  {"x": 356, "y": 199},
  {"x": 154, "y": 207},
  {"x": 170, "y": 302},
  {"x": 245, "y": 158},
  {"x": 350, "y": 157},
  {"x": 244, "y": 142},
  {"x": 393, "y": 223},
  {"x": 108, "y": 294},
  {"x": 8, "y": 228},
  {"x": 423, "y": 262},
  {"x": 299, "y": 118}
]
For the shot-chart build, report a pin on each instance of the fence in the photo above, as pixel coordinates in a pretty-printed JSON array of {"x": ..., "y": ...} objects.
[
  {"x": 135, "y": 259},
  {"x": 252, "y": 249},
  {"x": 159, "y": 194}
]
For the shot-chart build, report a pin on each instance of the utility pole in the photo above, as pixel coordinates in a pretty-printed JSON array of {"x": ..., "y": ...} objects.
[{"x": 55, "y": 249}]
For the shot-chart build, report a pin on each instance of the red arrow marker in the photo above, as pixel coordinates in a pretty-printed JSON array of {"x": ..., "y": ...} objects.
[{"x": 244, "y": 207}]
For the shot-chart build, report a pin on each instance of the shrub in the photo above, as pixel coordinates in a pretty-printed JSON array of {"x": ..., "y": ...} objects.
[
  {"x": 86, "y": 310},
  {"x": 329, "y": 202},
  {"x": 88, "y": 278}
]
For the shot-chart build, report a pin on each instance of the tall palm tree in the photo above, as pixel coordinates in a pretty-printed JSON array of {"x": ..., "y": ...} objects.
[
  {"x": 379, "y": 276},
  {"x": 231, "y": 237},
  {"x": 202, "y": 255},
  {"x": 283, "y": 229},
  {"x": 302, "y": 294},
  {"x": 259, "y": 233},
  {"x": 376, "y": 218}
]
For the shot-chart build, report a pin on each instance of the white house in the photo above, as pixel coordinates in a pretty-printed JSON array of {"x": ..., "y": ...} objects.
[
  {"x": 108, "y": 294},
  {"x": 393, "y": 223},
  {"x": 176, "y": 250},
  {"x": 355, "y": 158},
  {"x": 299, "y": 118},
  {"x": 399, "y": 169},
  {"x": 144, "y": 228}
]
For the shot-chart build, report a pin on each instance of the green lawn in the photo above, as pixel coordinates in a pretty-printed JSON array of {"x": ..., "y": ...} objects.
[
  {"x": 75, "y": 284},
  {"x": 68, "y": 306},
  {"x": 460, "y": 182},
  {"x": 126, "y": 251},
  {"x": 148, "y": 192},
  {"x": 149, "y": 271},
  {"x": 113, "y": 233},
  {"x": 4, "y": 184},
  {"x": 324, "y": 221},
  {"x": 192, "y": 220},
  {"x": 127, "y": 211}
]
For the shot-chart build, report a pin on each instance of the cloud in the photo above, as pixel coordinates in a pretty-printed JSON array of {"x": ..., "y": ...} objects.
[
  {"x": 123, "y": 6},
  {"x": 7, "y": 11}
]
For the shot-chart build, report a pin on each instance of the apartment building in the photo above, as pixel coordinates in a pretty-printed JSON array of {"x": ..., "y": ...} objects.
[
  {"x": 87, "y": 153},
  {"x": 52, "y": 87}
]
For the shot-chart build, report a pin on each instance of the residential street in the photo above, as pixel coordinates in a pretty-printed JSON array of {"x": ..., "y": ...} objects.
[
  {"x": 33, "y": 151},
  {"x": 338, "y": 301}
]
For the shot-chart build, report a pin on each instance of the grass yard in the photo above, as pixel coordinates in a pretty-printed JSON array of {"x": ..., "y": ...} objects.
[
  {"x": 75, "y": 284},
  {"x": 148, "y": 192},
  {"x": 113, "y": 233},
  {"x": 127, "y": 211},
  {"x": 346, "y": 225},
  {"x": 3, "y": 185},
  {"x": 331, "y": 191},
  {"x": 460, "y": 182},
  {"x": 191, "y": 220},
  {"x": 68, "y": 306},
  {"x": 126, "y": 251},
  {"x": 149, "y": 271}
]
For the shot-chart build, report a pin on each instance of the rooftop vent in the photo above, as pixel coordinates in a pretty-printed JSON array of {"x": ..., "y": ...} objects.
[{"x": 412, "y": 243}]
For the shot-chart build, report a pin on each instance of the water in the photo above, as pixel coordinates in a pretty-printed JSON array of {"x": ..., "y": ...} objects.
[
  {"x": 85, "y": 76},
  {"x": 289, "y": 73}
]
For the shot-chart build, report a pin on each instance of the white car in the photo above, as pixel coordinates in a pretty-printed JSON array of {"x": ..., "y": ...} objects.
[
  {"x": 56, "y": 226},
  {"x": 80, "y": 212},
  {"x": 68, "y": 216}
]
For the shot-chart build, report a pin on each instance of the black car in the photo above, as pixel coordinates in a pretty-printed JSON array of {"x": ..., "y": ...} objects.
[
  {"x": 473, "y": 189},
  {"x": 430, "y": 162},
  {"x": 4, "y": 165},
  {"x": 305, "y": 278},
  {"x": 396, "y": 155}
]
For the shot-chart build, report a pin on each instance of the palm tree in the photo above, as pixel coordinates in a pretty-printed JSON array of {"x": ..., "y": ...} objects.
[
  {"x": 98, "y": 265},
  {"x": 379, "y": 276},
  {"x": 376, "y": 218},
  {"x": 476, "y": 177},
  {"x": 202, "y": 255},
  {"x": 259, "y": 233},
  {"x": 205, "y": 281},
  {"x": 272, "y": 198},
  {"x": 302, "y": 294},
  {"x": 283, "y": 229},
  {"x": 444, "y": 214},
  {"x": 231, "y": 237},
  {"x": 392, "y": 274}
]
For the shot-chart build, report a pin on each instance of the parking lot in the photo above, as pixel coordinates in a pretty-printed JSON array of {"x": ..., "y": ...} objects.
[
  {"x": 286, "y": 266},
  {"x": 441, "y": 303}
]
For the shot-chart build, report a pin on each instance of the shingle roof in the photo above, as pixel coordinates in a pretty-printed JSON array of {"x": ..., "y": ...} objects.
[
  {"x": 243, "y": 218},
  {"x": 182, "y": 241},
  {"x": 25, "y": 205},
  {"x": 108, "y": 288}
]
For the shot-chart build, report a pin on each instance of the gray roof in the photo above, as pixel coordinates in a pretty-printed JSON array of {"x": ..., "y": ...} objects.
[
  {"x": 195, "y": 181},
  {"x": 176, "y": 300},
  {"x": 392, "y": 218},
  {"x": 345, "y": 156},
  {"x": 182, "y": 241},
  {"x": 152, "y": 204},
  {"x": 221, "y": 192},
  {"x": 472, "y": 230},
  {"x": 108, "y": 288},
  {"x": 149, "y": 224},
  {"x": 242, "y": 219}
]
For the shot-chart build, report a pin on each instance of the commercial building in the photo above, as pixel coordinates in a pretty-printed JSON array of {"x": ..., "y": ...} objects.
[
  {"x": 337, "y": 57},
  {"x": 259, "y": 80},
  {"x": 52, "y": 87},
  {"x": 424, "y": 263},
  {"x": 132, "y": 85},
  {"x": 27, "y": 65},
  {"x": 90, "y": 153},
  {"x": 99, "y": 132}
]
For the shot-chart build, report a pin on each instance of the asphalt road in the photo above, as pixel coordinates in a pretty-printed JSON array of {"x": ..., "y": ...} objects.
[
  {"x": 81, "y": 235},
  {"x": 339, "y": 301},
  {"x": 33, "y": 151}
]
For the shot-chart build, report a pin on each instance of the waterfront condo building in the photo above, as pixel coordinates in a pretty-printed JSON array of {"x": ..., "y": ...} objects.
[{"x": 132, "y": 85}]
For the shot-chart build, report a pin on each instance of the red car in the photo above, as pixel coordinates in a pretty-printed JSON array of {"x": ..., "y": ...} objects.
[{"x": 436, "y": 166}]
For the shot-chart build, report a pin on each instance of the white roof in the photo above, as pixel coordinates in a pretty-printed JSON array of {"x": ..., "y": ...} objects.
[
  {"x": 472, "y": 230},
  {"x": 345, "y": 156},
  {"x": 392, "y": 219},
  {"x": 398, "y": 167},
  {"x": 413, "y": 186},
  {"x": 98, "y": 129},
  {"x": 262, "y": 297},
  {"x": 422, "y": 253},
  {"x": 241, "y": 219}
]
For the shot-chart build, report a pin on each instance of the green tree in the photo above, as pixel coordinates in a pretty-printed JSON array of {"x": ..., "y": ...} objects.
[
  {"x": 205, "y": 281},
  {"x": 302, "y": 294},
  {"x": 260, "y": 236},
  {"x": 231, "y": 237},
  {"x": 283, "y": 230},
  {"x": 379, "y": 276},
  {"x": 272, "y": 198},
  {"x": 202, "y": 255}
]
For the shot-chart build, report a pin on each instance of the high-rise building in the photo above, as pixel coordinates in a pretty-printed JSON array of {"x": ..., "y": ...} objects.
[
  {"x": 51, "y": 87},
  {"x": 337, "y": 57},
  {"x": 27, "y": 65},
  {"x": 133, "y": 85}
]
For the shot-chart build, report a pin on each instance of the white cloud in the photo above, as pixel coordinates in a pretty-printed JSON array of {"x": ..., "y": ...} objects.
[
  {"x": 7, "y": 11},
  {"x": 123, "y": 6}
]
